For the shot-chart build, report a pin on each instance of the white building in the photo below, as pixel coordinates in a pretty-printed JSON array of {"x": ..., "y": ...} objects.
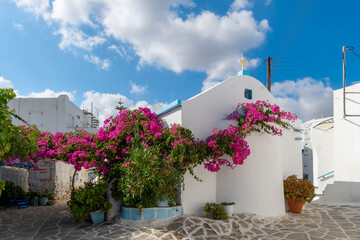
[
  {"x": 346, "y": 158},
  {"x": 53, "y": 114},
  {"x": 336, "y": 151},
  {"x": 318, "y": 151},
  {"x": 257, "y": 185}
]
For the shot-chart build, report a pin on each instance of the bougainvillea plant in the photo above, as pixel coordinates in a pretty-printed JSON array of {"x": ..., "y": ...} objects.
[
  {"x": 260, "y": 117},
  {"x": 16, "y": 142},
  {"x": 150, "y": 160}
]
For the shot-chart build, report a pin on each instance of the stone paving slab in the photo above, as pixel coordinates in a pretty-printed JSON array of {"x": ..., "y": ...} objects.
[{"x": 55, "y": 222}]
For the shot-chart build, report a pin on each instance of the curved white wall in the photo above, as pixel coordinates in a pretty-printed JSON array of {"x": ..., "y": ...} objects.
[{"x": 256, "y": 186}]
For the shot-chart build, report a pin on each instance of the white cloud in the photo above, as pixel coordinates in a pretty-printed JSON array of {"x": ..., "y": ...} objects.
[
  {"x": 105, "y": 103},
  {"x": 5, "y": 83},
  {"x": 202, "y": 42},
  {"x": 38, "y": 7},
  {"x": 76, "y": 12},
  {"x": 240, "y": 4},
  {"x": 225, "y": 69},
  {"x": 73, "y": 37},
  {"x": 104, "y": 64},
  {"x": 119, "y": 50},
  {"x": 137, "y": 89},
  {"x": 307, "y": 97},
  {"x": 18, "y": 26},
  {"x": 48, "y": 93}
]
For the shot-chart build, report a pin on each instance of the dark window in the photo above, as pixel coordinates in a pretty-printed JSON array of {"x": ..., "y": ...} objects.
[{"x": 248, "y": 93}]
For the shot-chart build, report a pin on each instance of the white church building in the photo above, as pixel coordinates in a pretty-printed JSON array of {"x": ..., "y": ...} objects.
[{"x": 257, "y": 185}]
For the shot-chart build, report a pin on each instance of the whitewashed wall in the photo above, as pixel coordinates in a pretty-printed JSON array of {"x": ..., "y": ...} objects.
[
  {"x": 346, "y": 187},
  {"x": 172, "y": 117},
  {"x": 256, "y": 186},
  {"x": 19, "y": 176},
  {"x": 59, "y": 181},
  {"x": 51, "y": 114},
  {"x": 322, "y": 143},
  {"x": 290, "y": 151},
  {"x": 259, "y": 181}
]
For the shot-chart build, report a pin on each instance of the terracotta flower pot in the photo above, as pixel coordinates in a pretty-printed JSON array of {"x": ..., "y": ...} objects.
[{"x": 294, "y": 206}]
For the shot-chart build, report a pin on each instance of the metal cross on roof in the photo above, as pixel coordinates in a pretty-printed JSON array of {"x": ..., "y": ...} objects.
[{"x": 243, "y": 62}]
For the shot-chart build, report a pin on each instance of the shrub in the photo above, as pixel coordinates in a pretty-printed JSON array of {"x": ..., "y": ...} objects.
[
  {"x": 298, "y": 189},
  {"x": 11, "y": 190},
  {"x": 32, "y": 194},
  {"x": 89, "y": 199},
  {"x": 215, "y": 211},
  {"x": 145, "y": 179}
]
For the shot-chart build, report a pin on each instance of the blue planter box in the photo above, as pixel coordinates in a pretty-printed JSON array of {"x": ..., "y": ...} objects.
[
  {"x": 97, "y": 217},
  {"x": 156, "y": 213},
  {"x": 11, "y": 203}
]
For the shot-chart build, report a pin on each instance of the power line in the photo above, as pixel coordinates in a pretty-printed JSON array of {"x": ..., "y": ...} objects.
[
  {"x": 352, "y": 50},
  {"x": 306, "y": 62},
  {"x": 289, "y": 26},
  {"x": 258, "y": 67},
  {"x": 302, "y": 10},
  {"x": 299, "y": 26},
  {"x": 309, "y": 56}
]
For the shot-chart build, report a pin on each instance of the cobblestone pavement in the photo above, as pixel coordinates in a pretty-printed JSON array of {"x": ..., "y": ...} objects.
[{"x": 55, "y": 222}]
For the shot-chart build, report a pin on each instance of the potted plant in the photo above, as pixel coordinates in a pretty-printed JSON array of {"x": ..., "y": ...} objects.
[
  {"x": 215, "y": 211},
  {"x": 44, "y": 198},
  {"x": 229, "y": 208},
  {"x": 298, "y": 191},
  {"x": 90, "y": 200},
  {"x": 11, "y": 193},
  {"x": 33, "y": 197}
]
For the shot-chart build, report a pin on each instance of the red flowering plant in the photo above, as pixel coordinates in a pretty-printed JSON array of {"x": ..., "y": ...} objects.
[
  {"x": 17, "y": 143},
  {"x": 150, "y": 160},
  {"x": 153, "y": 161},
  {"x": 260, "y": 116}
]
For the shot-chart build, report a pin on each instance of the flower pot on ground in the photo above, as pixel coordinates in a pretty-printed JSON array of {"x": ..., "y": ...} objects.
[
  {"x": 229, "y": 208},
  {"x": 44, "y": 198},
  {"x": 97, "y": 217},
  {"x": 294, "y": 207},
  {"x": 43, "y": 201},
  {"x": 298, "y": 191}
]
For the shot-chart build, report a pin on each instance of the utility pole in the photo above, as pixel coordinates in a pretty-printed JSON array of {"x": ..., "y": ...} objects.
[
  {"x": 268, "y": 68},
  {"x": 344, "y": 79}
]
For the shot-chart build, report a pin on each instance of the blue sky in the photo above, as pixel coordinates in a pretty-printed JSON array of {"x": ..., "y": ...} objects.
[{"x": 148, "y": 52}]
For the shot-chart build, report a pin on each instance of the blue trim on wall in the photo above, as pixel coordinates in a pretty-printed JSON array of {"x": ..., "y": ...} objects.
[
  {"x": 243, "y": 72},
  {"x": 322, "y": 176},
  {"x": 171, "y": 106}
]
